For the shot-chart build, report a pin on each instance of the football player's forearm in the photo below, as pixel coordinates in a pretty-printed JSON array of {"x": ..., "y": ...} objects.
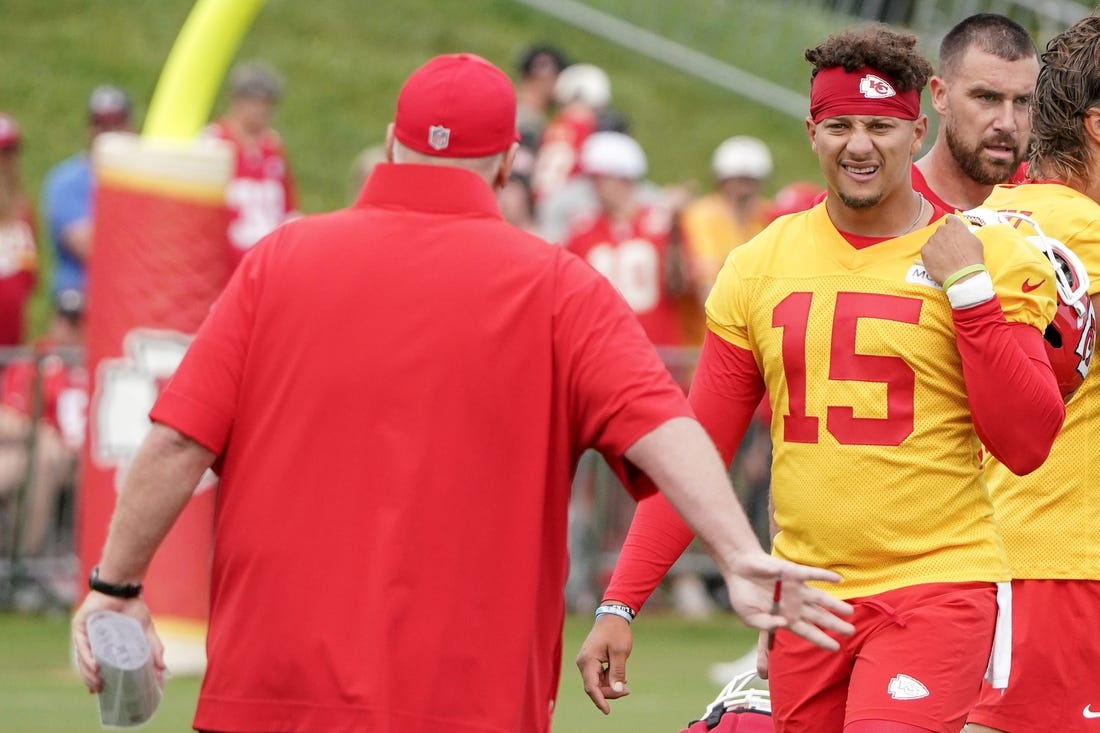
[
  {"x": 685, "y": 465},
  {"x": 657, "y": 538}
]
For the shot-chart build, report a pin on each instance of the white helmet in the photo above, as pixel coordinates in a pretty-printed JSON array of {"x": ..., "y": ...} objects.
[
  {"x": 1070, "y": 338},
  {"x": 738, "y": 707},
  {"x": 742, "y": 157},
  {"x": 583, "y": 83},
  {"x": 613, "y": 154}
]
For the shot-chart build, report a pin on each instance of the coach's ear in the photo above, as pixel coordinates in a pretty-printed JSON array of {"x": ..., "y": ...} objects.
[
  {"x": 389, "y": 143},
  {"x": 505, "y": 169}
]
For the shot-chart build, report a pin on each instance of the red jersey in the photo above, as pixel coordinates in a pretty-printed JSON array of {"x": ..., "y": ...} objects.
[
  {"x": 18, "y": 272},
  {"x": 261, "y": 195},
  {"x": 634, "y": 256},
  {"x": 920, "y": 185},
  {"x": 397, "y": 394},
  {"x": 64, "y": 390}
]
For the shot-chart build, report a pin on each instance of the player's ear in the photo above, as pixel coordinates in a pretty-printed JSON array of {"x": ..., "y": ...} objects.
[
  {"x": 937, "y": 89},
  {"x": 1092, "y": 126},
  {"x": 811, "y": 133},
  {"x": 920, "y": 131}
]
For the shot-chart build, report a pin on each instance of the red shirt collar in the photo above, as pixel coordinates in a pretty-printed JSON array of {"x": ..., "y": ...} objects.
[{"x": 431, "y": 189}]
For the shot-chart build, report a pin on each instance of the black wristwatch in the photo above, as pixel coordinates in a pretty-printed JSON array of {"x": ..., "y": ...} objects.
[{"x": 118, "y": 590}]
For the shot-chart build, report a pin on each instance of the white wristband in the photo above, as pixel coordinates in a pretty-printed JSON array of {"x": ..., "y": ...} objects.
[
  {"x": 616, "y": 609},
  {"x": 972, "y": 291}
]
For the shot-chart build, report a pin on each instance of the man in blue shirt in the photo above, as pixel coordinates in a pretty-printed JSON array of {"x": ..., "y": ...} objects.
[{"x": 68, "y": 193}]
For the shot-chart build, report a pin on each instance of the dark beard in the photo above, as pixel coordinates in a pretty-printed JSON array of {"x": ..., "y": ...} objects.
[
  {"x": 858, "y": 203},
  {"x": 987, "y": 173}
]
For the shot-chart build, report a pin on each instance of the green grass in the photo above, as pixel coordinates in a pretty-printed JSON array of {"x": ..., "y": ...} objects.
[
  {"x": 344, "y": 61},
  {"x": 40, "y": 693}
]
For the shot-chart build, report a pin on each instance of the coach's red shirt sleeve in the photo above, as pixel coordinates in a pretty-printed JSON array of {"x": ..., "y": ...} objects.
[
  {"x": 615, "y": 385},
  {"x": 725, "y": 392},
  {"x": 200, "y": 398}
]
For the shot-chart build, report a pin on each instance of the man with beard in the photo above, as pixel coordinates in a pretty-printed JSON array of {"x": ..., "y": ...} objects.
[{"x": 988, "y": 66}]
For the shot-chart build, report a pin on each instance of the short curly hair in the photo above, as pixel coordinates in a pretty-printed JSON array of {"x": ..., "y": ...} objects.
[
  {"x": 883, "y": 49},
  {"x": 1067, "y": 88}
]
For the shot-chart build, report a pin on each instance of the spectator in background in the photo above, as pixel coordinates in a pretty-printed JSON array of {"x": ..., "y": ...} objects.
[
  {"x": 730, "y": 216},
  {"x": 557, "y": 213},
  {"x": 626, "y": 239},
  {"x": 261, "y": 195},
  {"x": 18, "y": 253},
  {"x": 539, "y": 67},
  {"x": 69, "y": 189},
  {"x": 988, "y": 66},
  {"x": 51, "y": 388},
  {"x": 581, "y": 92}
]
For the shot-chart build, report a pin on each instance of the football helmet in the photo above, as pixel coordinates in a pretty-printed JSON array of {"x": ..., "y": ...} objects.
[
  {"x": 1071, "y": 336},
  {"x": 737, "y": 709}
]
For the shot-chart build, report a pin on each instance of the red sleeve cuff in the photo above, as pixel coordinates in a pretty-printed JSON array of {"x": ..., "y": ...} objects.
[{"x": 198, "y": 422}]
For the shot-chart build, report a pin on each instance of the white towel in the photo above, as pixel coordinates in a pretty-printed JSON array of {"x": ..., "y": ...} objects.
[{"x": 1000, "y": 656}]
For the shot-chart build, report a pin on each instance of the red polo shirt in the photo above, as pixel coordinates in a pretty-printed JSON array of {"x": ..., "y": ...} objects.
[{"x": 398, "y": 393}]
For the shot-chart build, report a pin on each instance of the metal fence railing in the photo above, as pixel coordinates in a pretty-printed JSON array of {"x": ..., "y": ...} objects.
[{"x": 38, "y": 475}]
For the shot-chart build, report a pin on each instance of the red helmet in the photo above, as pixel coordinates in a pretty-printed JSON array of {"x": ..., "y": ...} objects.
[
  {"x": 1071, "y": 336},
  {"x": 737, "y": 709}
]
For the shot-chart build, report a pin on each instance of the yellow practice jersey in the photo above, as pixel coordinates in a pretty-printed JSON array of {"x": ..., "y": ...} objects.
[
  {"x": 876, "y": 471},
  {"x": 1050, "y": 519},
  {"x": 711, "y": 231}
]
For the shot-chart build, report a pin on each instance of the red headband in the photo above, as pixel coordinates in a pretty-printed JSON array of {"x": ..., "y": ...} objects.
[{"x": 866, "y": 91}]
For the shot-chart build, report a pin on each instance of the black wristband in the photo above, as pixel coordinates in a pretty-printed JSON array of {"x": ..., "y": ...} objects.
[{"x": 118, "y": 590}]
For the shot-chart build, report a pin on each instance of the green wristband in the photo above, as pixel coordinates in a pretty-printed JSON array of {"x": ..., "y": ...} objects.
[{"x": 960, "y": 274}]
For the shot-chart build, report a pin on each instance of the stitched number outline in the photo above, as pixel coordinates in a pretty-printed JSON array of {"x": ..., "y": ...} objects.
[{"x": 792, "y": 315}]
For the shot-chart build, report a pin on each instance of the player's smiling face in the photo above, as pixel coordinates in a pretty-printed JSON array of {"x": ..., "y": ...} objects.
[
  {"x": 865, "y": 157},
  {"x": 984, "y": 105}
]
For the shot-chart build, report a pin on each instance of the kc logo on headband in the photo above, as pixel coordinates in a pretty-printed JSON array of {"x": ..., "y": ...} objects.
[
  {"x": 874, "y": 87},
  {"x": 439, "y": 137}
]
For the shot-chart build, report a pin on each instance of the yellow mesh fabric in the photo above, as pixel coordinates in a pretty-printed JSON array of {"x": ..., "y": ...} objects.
[
  {"x": 880, "y": 480},
  {"x": 1050, "y": 519}
]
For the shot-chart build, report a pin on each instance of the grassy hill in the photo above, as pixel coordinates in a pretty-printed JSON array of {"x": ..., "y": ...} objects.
[{"x": 344, "y": 61}]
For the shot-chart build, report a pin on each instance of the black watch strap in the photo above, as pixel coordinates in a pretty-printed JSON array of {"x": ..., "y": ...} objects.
[{"x": 118, "y": 590}]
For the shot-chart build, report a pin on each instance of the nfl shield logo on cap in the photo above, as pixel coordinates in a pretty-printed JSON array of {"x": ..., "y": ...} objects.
[{"x": 439, "y": 137}]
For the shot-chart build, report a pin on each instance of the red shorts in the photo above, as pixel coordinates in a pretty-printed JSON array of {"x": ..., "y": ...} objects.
[
  {"x": 1054, "y": 684},
  {"x": 918, "y": 656}
]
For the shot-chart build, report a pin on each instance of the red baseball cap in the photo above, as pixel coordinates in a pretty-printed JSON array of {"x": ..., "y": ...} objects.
[
  {"x": 9, "y": 132},
  {"x": 457, "y": 106}
]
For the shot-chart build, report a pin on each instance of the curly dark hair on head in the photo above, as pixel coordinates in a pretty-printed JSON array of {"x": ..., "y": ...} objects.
[
  {"x": 883, "y": 49},
  {"x": 1067, "y": 88}
]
